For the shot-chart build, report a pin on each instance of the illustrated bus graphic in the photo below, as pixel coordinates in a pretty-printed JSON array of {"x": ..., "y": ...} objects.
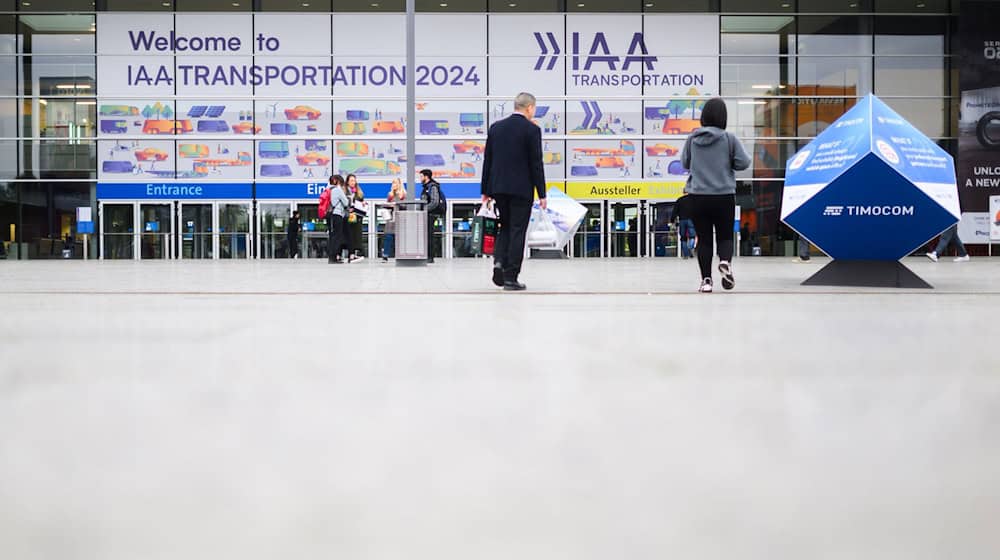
[
  {"x": 350, "y": 128},
  {"x": 117, "y": 167},
  {"x": 357, "y": 115},
  {"x": 434, "y": 127},
  {"x": 273, "y": 149},
  {"x": 275, "y": 170},
  {"x": 428, "y": 160},
  {"x": 368, "y": 167},
  {"x": 284, "y": 128},
  {"x": 213, "y": 126},
  {"x": 114, "y": 126},
  {"x": 119, "y": 111},
  {"x": 350, "y": 149},
  {"x": 387, "y": 127},
  {"x": 473, "y": 120}
]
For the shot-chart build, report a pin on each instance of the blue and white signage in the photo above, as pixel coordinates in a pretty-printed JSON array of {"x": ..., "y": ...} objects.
[
  {"x": 870, "y": 187},
  {"x": 373, "y": 191},
  {"x": 173, "y": 191}
]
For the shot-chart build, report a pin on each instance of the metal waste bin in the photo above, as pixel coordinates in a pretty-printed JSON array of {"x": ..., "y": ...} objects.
[{"x": 411, "y": 233}]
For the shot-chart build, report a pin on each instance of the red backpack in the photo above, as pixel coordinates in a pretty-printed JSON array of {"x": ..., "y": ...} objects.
[{"x": 324, "y": 203}]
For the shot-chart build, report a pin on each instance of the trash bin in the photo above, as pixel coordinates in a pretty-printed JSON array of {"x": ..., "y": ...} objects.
[{"x": 411, "y": 233}]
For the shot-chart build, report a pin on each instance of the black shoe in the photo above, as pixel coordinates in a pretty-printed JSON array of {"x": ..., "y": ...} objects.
[
  {"x": 498, "y": 276},
  {"x": 430, "y": 261},
  {"x": 513, "y": 286}
]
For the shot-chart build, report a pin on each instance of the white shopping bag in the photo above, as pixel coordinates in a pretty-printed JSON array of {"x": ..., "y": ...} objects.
[
  {"x": 542, "y": 233},
  {"x": 487, "y": 210}
]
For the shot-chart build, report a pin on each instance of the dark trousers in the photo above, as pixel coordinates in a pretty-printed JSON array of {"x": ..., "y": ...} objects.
[
  {"x": 713, "y": 211},
  {"x": 293, "y": 246},
  {"x": 514, "y": 215},
  {"x": 336, "y": 237},
  {"x": 949, "y": 238},
  {"x": 431, "y": 218},
  {"x": 354, "y": 233}
]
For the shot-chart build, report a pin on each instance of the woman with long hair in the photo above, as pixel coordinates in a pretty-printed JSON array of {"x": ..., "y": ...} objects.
[
  {"x": 397, "y": 193},
  {"x": 713, "y": 156},
  {"x": 354, "y": 218},
  {"x": 335, "y": 216}
]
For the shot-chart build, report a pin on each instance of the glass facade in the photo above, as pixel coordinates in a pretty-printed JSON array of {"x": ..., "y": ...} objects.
[{"x": 787, "y": 69}]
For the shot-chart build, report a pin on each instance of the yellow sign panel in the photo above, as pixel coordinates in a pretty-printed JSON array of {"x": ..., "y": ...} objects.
[{"x": 625, "y": 190}]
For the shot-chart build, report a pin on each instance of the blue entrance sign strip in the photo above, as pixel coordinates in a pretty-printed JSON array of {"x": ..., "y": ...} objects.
[{"x": 173, "y": 191}]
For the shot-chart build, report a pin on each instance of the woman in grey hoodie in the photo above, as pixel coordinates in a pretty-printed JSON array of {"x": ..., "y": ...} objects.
[{"x": 713, "y": 156}]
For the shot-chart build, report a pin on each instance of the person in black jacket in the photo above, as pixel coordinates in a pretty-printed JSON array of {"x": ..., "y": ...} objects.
[
  {"x": 512, "y": 173},
  {"x": 685, "y": 225},
  {"x": 294, "y": 227},
  {"x": 435, "y": 204}
]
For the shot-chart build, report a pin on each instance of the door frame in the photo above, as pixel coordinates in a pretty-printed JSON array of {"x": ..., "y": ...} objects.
[
  {"x": 609, "y": 234},
  {"x": 601, "y": 204},
  {"x": 170, "y": 252},
  {"x": 258, "y": 221}
]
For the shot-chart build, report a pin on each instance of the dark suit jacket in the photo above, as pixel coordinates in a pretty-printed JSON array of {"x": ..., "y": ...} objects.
[{"x": 513, "y": 161}]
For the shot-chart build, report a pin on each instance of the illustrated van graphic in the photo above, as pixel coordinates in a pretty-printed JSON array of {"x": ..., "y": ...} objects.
[
  {"x": 273, "y": 149},
  {"x": 434, "y": 127},
  {"x": 119, "y": 111},
  {"x": 315, "y": 145},
  {"x": 658, "y": 150},
  {"x": 302, "y": 112},
  {"x": 387, "y": 127},
  {"x": 275, "y": 170},
  {"x": 428, "y": 160},
  {"x": 357, "y": 115},
  {"x": 213, "y": 126},
  {"x": 472, "y": 120},
  {"x": 245, "y": 128},
  {"x": 583, "y": 171},
  {"x": 350, "y": 128},
  {"x": 111, "y": 126},
  {"x": 368, "y": 167},
  {"x": 192, "y": 150},
  {"x": 117, "y": 167},
  {"x": 351, "y": 149},
  {"x": 610, "y": 161},
  {"x": 680, "y": 126},
  {"x": 283, "y": 128},
  {"x": 166, "y": 126},
  {"x": 469, "y": 147},
  {"x": 657, "y": 113}
]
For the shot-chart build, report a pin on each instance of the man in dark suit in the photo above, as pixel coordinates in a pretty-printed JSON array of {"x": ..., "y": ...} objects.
[{"x": 512, "y": 173}]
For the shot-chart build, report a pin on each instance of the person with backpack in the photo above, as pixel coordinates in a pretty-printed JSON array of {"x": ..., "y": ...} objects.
[
  {"x": 333, "y": 203},
  {"x": 436, "y": 204},
  {"x": 356, "y": 213},
  {"x": 713, "y": 156}
]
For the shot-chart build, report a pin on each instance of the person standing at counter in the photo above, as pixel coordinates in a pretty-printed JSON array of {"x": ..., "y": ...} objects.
[
  {"x": 335, "y": 216},
  {"x": 354, "y": 218},
  {"x": 396, "y": 194}
]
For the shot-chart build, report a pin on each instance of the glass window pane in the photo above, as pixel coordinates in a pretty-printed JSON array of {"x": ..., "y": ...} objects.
[
  {"x": 59, "y": 159},
  {"x": 58, "y": 75},
  {"x": 8, "y": 75},
  {"x": 56, "y": 34},
  {"x": 853, "y": 75},
  {"x": 59, "y": 118},
  {"x": 910, "y": 35},
  {"x": 757, "y": 76},
  {"x": 48, "y": 213},
  {"x": 930, "y": 116},
  {"x": 7, "y": 43},
  {"x": 835, "y": 35},
  {"x": 8, "y": 159},
  {"x": 758, "y": 34},
  {"x": 817, "y": 113},
  {"x": 910, "y": 75},
  {"x": 8, "y": 118},
  {"x": 750, "y": 118}
]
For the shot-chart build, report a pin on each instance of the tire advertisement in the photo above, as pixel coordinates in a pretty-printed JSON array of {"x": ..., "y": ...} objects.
[{"x": 979, "y": 116}]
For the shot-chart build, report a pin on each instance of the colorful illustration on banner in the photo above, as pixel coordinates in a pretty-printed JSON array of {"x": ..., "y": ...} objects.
[
  {"x": 135, "y": 159},
  {"x": 604, "y": 158},
  {"x": 294, "y": 160},
  {"x": 294, "y": 118}
]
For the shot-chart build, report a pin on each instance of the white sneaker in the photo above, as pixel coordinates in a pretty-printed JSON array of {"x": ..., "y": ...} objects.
[
  {"x": 962, "y": 259},
  {"x": 728, "y": 281},
  {"x": 932, "y": 256},
  {"x": 356, "y": 258},
  {"x": 706, "y": 286}
]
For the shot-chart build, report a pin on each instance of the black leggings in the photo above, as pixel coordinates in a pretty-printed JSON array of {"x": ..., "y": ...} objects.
[
  {"x": 336, "y": 240},
  {"x": 718, "y": 212}
]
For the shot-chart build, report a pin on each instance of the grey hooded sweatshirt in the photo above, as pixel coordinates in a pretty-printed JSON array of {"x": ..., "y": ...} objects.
[{"x": 713, "y": 156}]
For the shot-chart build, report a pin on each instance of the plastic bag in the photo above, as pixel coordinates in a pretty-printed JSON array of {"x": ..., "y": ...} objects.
[
  {"x": 542, "y": 233},
  {"x": 487, "y": 210}
]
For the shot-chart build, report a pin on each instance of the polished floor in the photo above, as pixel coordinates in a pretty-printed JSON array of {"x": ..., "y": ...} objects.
[{"x": 295, "y": 410}]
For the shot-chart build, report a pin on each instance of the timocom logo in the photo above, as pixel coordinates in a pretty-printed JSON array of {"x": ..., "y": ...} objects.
[{"x": 869, "y": 211}]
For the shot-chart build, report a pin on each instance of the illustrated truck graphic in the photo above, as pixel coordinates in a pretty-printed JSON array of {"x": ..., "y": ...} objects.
[
  {"x": 368, "y": 166},
  {"x": 434, "y": 127},
  {"x": 273, "y": 149},
  {"x": 113, "y": 126}
]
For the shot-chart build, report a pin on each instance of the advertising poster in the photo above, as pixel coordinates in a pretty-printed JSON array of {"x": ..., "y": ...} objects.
[
  {"x": 134, "y": 160},
  {"x": 214, "y": 117},
  {"x": 604, "y": 159},
  {"x": 451, "y": 160},
  {"x": 994, "y": 218},
  {"x": 979, "y": 112},
  {"x": 222, "y": 160},
  {"x": 299, "y": 117},
  {"x": 373, "y": 161},
  {"x": 293, "y": 160}
]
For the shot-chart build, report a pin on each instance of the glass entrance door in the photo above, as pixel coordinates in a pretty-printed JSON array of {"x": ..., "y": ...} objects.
[
  {"x": 196, "y": 226},
  {"x": 272, "y": 227},
  {"x": 234, "y": 230},
  {"x": 663, "y": 234},
  {"x": 587, "y": 241},
  {"x": 314, "y": 234},
  {"x": 117, "y": 231},
  {"x": 625, "y": 222},
  {"x": 460, "y": 232},
  {"x": 156, "y": 233}
]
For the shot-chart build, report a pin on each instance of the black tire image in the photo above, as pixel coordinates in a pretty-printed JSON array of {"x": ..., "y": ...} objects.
[{"x": 988, "y": 130}]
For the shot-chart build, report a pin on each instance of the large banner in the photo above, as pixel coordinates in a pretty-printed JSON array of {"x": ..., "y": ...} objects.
[
  {"x": 979, "y": 115},
  {"x": 293, "y": 98}
]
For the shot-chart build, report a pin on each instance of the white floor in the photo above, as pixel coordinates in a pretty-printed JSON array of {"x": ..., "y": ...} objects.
[{"x": 296, "y": 410}]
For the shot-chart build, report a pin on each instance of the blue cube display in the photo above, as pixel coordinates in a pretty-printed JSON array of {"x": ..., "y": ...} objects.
[{"x": 870, "y": 187}]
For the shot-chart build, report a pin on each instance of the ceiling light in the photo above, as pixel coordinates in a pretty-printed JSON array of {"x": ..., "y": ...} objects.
[
  {"x": 752, "y": 102},
  {"x": 65, "y": 86},
  {"x": 512, "y": 5},
  {"x": 305, "y": 4},
  {"x": 786, "y": 5},
  {"x": 43, "y": 101},
  {"x": 853, "y": 5},
  {"x": 649, "y": 5},
  {"x": 580, "y": 5},
  {"x": 921, "y": 5},
  {"x": 25, "y": 3},
  {"x": 86, "y": 103},
  {"x": 761, "y": 86},
  {"x": 166, "y": 4},
  {"x": 375, "y": 5},
  {"x": 443, "y": 5},
  {"x": 236, "y": 4}
]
